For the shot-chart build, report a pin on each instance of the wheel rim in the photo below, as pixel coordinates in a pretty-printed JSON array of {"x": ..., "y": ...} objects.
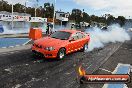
[
  {"x": 85, "y": 47},
  {"x": 62, "y": 54}
]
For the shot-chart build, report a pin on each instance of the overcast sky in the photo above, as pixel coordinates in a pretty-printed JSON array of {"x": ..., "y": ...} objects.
[{"x": 97, "y": 7}]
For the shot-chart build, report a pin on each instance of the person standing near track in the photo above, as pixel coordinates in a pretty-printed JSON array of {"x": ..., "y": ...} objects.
[{"x": 47, "y": 29}]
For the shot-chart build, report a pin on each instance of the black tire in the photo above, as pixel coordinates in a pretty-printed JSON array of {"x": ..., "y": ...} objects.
[
  {"x": 61, "y": 53},
  {"x": 85, "y": 47}
]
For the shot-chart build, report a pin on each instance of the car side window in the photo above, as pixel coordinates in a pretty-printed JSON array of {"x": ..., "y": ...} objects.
[
  {"x": 74, "y": 36},
  {"x": 80, "y": 35}
]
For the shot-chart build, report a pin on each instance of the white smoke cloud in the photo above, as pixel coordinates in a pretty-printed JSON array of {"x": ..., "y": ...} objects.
[
  {"x": 15, "y": 30},
  {"x": 99, "y": 38}
]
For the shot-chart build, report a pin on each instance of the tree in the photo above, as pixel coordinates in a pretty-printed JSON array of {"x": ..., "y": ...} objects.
[
  {"x": 30, "y": 11},
  {"x": 76, "y": 15},
  {"x": 102, "y": 20},
  {"x": 121, "y": 20},
  {"x": 110, "y": 20},
  {"x": 46, "y": 5},
  {"x": 19, "y": 8},
  {"x": 94, "y": 18},
  {"x": 4, "y": 6},
  {"x": 49, "y": 10},
  {"x": 86, "y": 17}
]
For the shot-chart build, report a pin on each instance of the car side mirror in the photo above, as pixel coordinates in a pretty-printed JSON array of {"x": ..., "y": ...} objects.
[{"x": 72, "y": 39}]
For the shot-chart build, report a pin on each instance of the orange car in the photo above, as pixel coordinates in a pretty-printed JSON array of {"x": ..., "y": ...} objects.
[{"x": 61, "y": 43}]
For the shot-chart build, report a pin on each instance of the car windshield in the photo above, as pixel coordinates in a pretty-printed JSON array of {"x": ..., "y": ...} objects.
[{"x": 61, "y": 35}]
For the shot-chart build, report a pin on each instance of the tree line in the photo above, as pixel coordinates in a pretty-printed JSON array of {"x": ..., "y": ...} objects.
[
  {"x": 46, "y": 11},
  {"x": 79, "y": 16},
  {"x": 76, "y": 15}
]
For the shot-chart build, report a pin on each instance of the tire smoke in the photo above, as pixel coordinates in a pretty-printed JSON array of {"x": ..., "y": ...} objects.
[{"x": 100, "y": 37}]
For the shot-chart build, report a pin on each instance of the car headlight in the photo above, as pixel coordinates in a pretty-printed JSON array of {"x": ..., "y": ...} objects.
[{"x": 50, "y": 48}]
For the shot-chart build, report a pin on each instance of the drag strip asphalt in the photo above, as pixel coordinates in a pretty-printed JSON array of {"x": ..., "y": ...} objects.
[{"x": 20, "y": 69}]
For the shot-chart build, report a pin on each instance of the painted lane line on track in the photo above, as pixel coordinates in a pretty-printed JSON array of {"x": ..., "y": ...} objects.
[
  {"x": 113, "y": 50},
  {"x": 95, "y": 69},
  {"x": 105, "y": 70},
  {"x": 8, "y": 70},
  {"x": 17, "y": 86},
  {"x": 88, "y": 67},
  {"x": 68, "y": 73},
  {"x": 106, "y": 58},
  {"x": 27, "y": 42}
]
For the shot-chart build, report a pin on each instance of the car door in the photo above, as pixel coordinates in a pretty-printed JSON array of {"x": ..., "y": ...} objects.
[
  {"x": 81, "y": 40},
  {"x": 73, "y": 45}
]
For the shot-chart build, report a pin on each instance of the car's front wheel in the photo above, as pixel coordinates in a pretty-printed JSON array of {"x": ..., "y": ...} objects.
[{"x": 61, "y": 53}]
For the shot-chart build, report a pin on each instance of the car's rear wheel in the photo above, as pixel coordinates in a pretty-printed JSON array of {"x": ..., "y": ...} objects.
[
  {"x": 61, "y": 53},
  {"x": 85, "y": 47}
]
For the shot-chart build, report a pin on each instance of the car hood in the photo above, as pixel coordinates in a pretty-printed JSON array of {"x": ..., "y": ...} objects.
[{"x": 48, "y": 42}]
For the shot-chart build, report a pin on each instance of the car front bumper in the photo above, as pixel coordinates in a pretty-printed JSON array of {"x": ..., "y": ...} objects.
[{"x": 44, "y": 53}]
